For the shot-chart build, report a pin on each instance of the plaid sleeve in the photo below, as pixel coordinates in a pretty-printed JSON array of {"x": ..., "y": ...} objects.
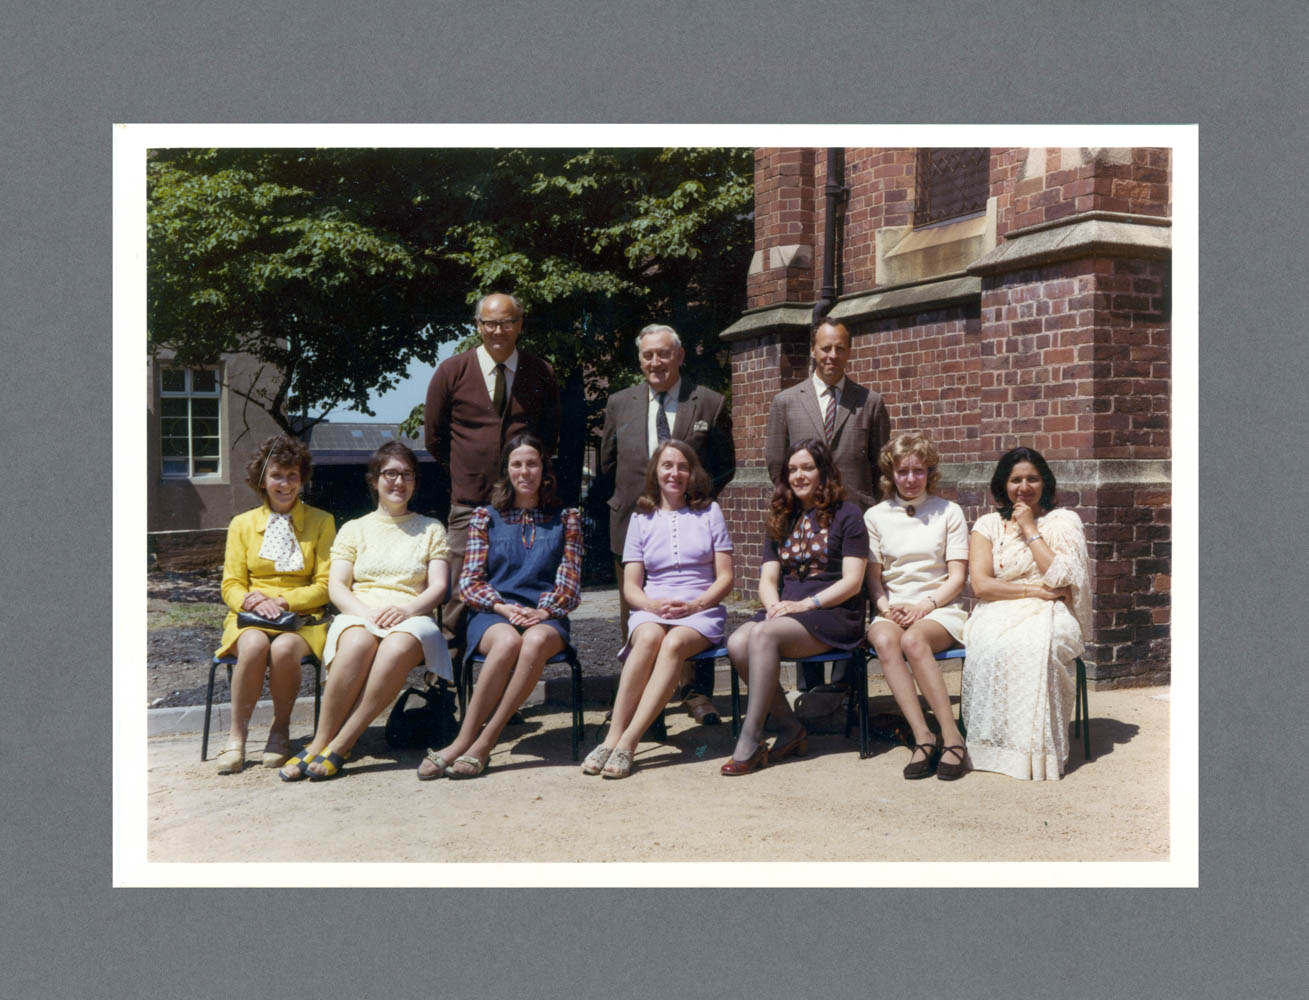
[
  {"x": 567, "y": 592},
  {"x": 476, "y": 592}
]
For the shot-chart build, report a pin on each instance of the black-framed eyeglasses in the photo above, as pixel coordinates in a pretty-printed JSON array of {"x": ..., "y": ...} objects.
[{"x": 391, "y": 475}]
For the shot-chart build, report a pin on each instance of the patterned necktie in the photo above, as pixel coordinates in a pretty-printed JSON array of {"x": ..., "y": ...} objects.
[
  {"x": 661, "y": 421},
  {"x": 498, "y": 394},
  {"x": 829, "y": 418}
]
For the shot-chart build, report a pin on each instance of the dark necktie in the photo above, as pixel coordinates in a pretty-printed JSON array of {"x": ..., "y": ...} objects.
[
  {"x": 661, "y": 421},
  {"x": 829, "y": 418},
  {"x": 498, "y": 394}
]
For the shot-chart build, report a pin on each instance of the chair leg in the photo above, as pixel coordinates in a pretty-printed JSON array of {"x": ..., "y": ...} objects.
[
  {"x": 736, "y": 704},
  {"x": 576, "y": 734},
  {"x": 318, "y": 690},
  {"x": 1082, "y": 712},
  {"x": 463, "y": 684},
  {"x": 860, "y": 664},
  {"x": 659, "y": 728},
  {"x": 209, "y": 707}
]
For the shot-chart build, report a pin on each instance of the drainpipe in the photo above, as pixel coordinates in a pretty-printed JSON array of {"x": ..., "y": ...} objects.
[{"x": 834, "y": 195}]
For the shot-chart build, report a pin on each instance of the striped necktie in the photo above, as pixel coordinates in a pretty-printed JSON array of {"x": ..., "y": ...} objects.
[{"x": 829, "y": 418}]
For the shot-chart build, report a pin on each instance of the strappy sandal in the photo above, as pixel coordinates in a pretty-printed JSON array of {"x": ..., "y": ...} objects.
[
  {"x": 442, "y": 767},
  {"x": 332, "y": 762},
  {"x": 298, "y": 766},
  {"x": 478, "y": 765},
  {"x": 619, "y": 765},
  {"x": 928, "y": 765},
  {"x": 595, "y": 760},
  {"x": 953, "y": 772}
]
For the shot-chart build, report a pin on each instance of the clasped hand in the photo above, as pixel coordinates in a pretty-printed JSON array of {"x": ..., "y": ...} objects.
[
  {"x": 905, "y": 615},
  {"x": 669, "y": 608},
  {"x": 523, "y": 617},
  {"x": 263, "y": 605},
  {"x": 387, "y": 617}
]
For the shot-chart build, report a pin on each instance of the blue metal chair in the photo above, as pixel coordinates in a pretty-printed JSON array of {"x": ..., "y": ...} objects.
[
  {"x": 230, "y": 662},
  {"x": 1081, "y": 711},
  {"x": 464, "y": 685}
]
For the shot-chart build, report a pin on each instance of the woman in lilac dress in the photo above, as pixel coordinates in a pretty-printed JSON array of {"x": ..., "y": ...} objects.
[
  {"x": 677, "y": 568},
  {"x": 810, "y": 581}
]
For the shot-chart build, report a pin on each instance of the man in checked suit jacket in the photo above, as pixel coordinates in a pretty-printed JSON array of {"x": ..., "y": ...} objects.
[
  {"x": 695, "y": 415},
  {"x": 860, "y": 425}
]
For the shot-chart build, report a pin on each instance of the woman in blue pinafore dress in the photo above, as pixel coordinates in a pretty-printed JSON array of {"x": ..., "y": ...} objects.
[{"x": 522, "y": 575}]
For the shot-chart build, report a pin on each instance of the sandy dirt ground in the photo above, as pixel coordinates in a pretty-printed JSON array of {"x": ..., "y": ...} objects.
[{"x": 533, "y": 803}]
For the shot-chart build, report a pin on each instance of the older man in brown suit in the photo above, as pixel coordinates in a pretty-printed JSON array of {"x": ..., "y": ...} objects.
[
  {"x": 851, "y": 418},
  {"x": 636, "y": 420},
  {"x": 476, "y": 401}
]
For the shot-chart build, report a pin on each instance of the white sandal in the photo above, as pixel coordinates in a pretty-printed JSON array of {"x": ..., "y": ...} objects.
[
  {"x": 619, "y": 766},
  {"x": 595, "y": 760}
]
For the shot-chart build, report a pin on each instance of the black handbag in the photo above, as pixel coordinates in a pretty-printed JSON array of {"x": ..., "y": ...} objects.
[
  {"x": 431, "y": 723},
  {"x": 287, "y": 621}
]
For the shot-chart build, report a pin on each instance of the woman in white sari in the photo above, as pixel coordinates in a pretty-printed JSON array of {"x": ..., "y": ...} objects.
[{"x": 1027, "y": 564}]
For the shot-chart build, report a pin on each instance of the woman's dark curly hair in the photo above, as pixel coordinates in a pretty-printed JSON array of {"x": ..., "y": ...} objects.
[
  {"x": 785, "y": 508},
  {"x": 502, "y": 493},
  {"x": 384, "y": 454},
  {"x": 698, "y": 490},
  {"x": 282, "y": 450},
  {"x": 1006, "y": 465}
]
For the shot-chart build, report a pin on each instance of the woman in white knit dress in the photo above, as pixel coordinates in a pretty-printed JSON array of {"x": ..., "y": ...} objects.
[
  {"x": 917, "y": 560},
  {"x": 389, "y": 570},
  {"x": 1028, "y": 568}
]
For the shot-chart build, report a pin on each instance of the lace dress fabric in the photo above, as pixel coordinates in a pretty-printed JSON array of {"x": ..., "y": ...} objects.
[{"x": 1018, "y": 681}]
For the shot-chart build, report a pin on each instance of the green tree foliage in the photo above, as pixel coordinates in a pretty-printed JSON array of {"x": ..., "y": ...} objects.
[{"x": 337, "y": 267}]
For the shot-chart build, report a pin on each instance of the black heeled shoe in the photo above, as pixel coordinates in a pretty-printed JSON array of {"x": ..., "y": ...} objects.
[{"x": 926, "y": 767}]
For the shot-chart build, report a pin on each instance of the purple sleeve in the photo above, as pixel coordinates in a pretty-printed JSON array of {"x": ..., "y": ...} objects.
[
  {"x": 722, "y": 541},
  {"x": 634, "y": 545},
  {"x": 849, "y": 526},
  {"x": 770, "y": 550}
]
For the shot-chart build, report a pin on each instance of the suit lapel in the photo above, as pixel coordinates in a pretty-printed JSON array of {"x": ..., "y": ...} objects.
[
  {"x": 844, "y": 407},
  {"x": 809, "y": 403},
  {"x": 685, "y": 418}
]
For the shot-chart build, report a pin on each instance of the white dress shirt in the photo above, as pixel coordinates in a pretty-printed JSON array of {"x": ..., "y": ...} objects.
[
  {"x": 652, "y": 411},
  {"x": 820, "y": 390}
]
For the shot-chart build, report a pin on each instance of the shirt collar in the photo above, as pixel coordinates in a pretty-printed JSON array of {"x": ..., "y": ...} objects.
[
  {"x": 673, "y": 390},
  {"x": 487, "y": 363},
  {"x": 820, "y": 386}
]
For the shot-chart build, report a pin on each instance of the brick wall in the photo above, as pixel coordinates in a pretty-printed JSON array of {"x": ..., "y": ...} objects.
[
  {"x": 1033, "y": 186},
  {"x": 926, "y": 368},
  {"x": 785, "y": 208},
  {"x": 1071, "y": 358},
  {"x": 1074, "y": 360},
  {"x": 881, "y": 183}
]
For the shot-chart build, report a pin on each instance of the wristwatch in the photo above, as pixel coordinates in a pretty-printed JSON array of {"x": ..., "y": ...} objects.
[
  {"x": 816, "y": 602},
  {"x": 1032, "y": 540}
]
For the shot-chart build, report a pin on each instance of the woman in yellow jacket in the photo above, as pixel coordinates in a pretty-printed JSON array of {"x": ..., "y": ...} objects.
[{"x": 278, "y": 559}]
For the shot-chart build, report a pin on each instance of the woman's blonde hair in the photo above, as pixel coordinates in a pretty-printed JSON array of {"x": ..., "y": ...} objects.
[{"x": 901, "y": 447}]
